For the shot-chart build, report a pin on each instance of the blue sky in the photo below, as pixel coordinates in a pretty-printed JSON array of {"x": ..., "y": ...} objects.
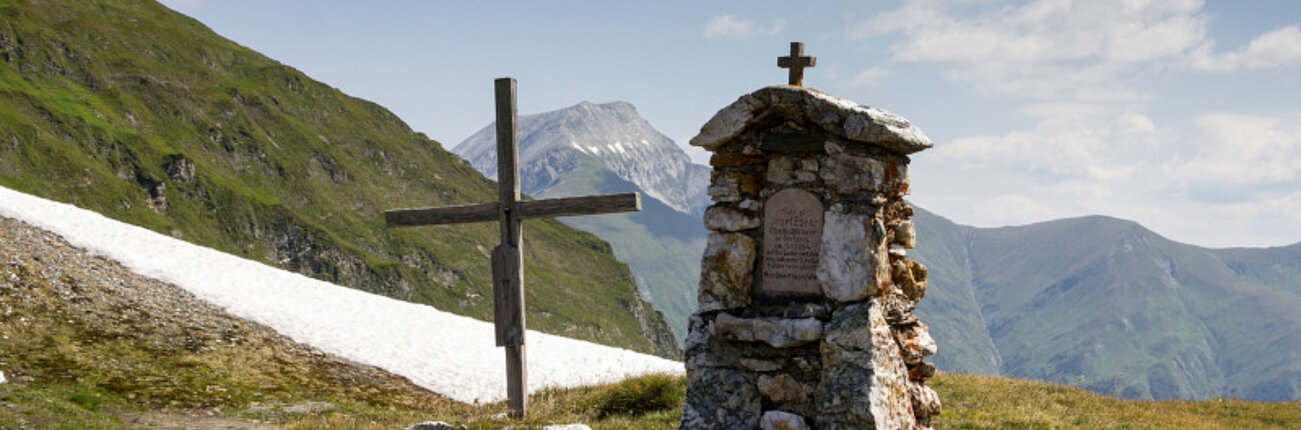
[{"x": 1182, "y": 115}]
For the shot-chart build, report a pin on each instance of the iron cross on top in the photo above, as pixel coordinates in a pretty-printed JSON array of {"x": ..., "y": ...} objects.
[{"x": 796, "y": 62}]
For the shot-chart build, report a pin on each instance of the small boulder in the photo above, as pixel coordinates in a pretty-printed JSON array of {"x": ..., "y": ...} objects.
[{"x": 780, "y": 420}]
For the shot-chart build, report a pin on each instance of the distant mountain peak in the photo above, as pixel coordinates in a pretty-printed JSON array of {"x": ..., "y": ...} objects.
[{"x": 555, "y": 143}]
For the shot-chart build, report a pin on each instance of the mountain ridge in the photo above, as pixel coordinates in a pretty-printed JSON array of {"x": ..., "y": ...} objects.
[{"x": 1105, "y": 303}]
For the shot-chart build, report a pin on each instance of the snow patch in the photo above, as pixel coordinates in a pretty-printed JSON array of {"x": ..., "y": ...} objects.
[{"x": 449, "y": 354}]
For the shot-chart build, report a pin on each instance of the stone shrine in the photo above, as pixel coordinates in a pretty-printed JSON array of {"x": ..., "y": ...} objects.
[{"x": 806, "y": 290}]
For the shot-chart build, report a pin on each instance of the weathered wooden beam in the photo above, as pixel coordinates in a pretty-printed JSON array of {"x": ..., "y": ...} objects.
[
  {"x": 517, "y": 376},
  {"x": 574, "y": 206},
  {"x": 508, "y": 295},
  {"x": 483, "y": 212}
]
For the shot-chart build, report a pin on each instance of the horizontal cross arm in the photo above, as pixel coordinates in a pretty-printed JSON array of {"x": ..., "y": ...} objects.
[
  {"x": 484, "y": 212},
  {"x": 587, "y": 205}
]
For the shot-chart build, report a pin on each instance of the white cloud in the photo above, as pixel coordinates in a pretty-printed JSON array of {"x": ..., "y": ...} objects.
[
  {"x": 1273, "y": 49},
  {"x": 1044, "y": 48},
  {"x": 1086, "y": 71},
  {"x": 1234, "y": 181},
  {"x": 738, "y": 27},
  {"x": 1071, "y": 141},
  {"x": 871, "y": 76},
  {"x": 1237, "y": 149}
]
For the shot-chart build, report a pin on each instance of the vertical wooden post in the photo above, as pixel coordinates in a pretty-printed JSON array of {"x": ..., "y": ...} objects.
[{"x": 508, "y": 288}]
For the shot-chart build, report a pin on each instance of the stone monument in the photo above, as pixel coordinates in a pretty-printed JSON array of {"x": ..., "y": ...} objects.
[{"x": 806, "y": 290}]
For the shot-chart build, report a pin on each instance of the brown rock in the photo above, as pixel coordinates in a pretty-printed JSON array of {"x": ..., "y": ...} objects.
[
  {"x": 915, "y": 342},
  {"x": 903, "y": 276},
  {"x": 726, "y": 271},
  {"x": 751, "y": 183},
  {"x": 783, "y": 389},
  {"x": 925, "y": 402},
  {"x": 734, "y": 160},
  {"x": 920, "y": 372}
]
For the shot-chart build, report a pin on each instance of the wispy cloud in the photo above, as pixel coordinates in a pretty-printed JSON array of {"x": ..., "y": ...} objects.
[
  {"x": 871, "y": 76},
  {"x": 738, "y": 27},
  {"x": 1276, "y": 48},
  {"x": 1046, "y": 48},
  {"x": 1085, "y": 72}
]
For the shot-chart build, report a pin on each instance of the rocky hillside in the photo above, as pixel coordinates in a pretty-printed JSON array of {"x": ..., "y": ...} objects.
[
  {"x": 129, "y": 109},
  {"x": 608, "y": 148}
]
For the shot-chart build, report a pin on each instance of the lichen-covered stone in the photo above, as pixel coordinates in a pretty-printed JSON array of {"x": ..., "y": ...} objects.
[
  {"x": 781, "y": 420},
  {"x": 863, "y": 382},
  {"x": 915, "y": 342},
  {"x": 719, "y": 398},
  {"x": 758, "y": 365},
  {"x": 726, "y": 270},
  {"x": 728, "y": 122},
  {"x": 783, "y": 389},
  {"x": 925, "y": 402},
  {"x": 729, "y": 219},
  {"x": 778, "y": 332},
  {"x": 905, "y": 234},
  {"x": 847, "y": 266},
  {"x": 851, "y": 120},
  {"x": 910, "y": 276},
  {"x": 781, "y": 170},
  {"x": 725, "y": 188},
  {"x": 848, "y": 174}
]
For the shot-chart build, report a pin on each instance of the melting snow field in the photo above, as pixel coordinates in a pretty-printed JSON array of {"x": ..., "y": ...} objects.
[{"x": 449, "y": 354}]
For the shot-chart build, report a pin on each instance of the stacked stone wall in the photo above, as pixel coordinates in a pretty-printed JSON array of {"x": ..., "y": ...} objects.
[{"x": 848, "y": 354}]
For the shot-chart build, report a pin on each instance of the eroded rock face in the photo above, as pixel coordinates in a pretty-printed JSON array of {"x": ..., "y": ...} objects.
[
  {"x": 721, "y": 399},
  {"x": 848, "y": 261},
  {"x": 726, "y": 271},
  {"x": 729, "y": 219},
  {"x": 864, "y": 382},
  {"x": 777, "y": 332},
  {"x": 840, "y": 349}
]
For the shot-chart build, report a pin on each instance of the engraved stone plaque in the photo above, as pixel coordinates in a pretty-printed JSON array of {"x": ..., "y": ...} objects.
[{"x": 792, "y": 242}]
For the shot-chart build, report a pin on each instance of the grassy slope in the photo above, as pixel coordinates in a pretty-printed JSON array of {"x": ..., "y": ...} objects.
[
  {"x": 661, "y": 246},
  {"x": 98, "y": 99},
  {"x": 1105, "y": 304},
  {"x": 950, "y": 307}
]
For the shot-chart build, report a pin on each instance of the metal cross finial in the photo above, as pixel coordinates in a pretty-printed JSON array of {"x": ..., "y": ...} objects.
[{"x": 796, "y": 62}]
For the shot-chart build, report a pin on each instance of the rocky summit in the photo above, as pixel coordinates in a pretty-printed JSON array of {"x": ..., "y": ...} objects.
[{"x": 552, "y": 144}]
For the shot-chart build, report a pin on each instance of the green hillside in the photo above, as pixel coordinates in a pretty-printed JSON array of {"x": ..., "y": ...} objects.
[
  {"x": 134, "y": 111},
  {"x": 661, "y": 245},
  {"x": 1105, "y": 304}
]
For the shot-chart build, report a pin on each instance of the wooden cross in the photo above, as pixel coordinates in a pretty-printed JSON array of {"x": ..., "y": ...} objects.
[
  {"x": 796, "y": 62},
  {"x": 507, "y": 266}
]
